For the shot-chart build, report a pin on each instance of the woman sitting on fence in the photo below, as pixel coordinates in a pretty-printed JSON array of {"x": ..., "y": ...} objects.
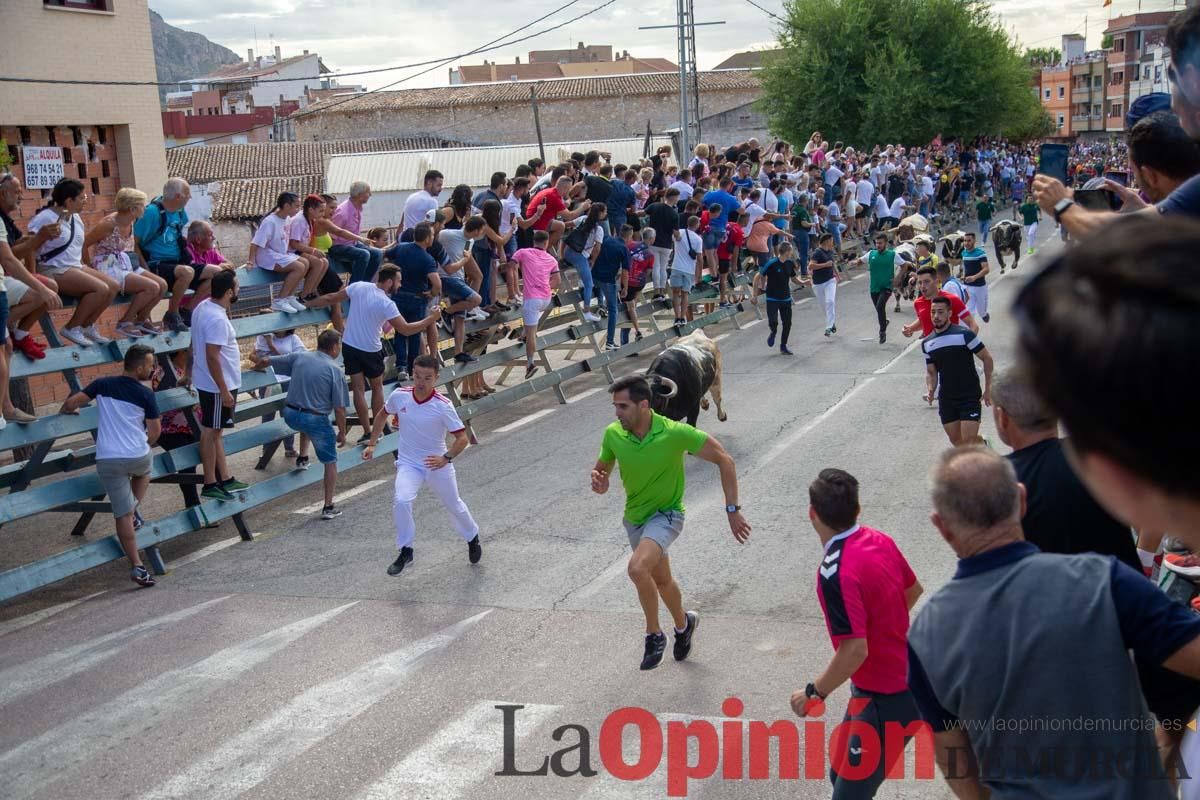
[
  {"x": 61, "y": 258},
  {"x": 106, "y": 247},
  {"x": 311, "y": 232},
  {"x": 270, "y": 250}
]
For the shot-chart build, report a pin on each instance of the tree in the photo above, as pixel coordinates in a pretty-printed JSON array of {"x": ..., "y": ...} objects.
[
  {"x": 1042, "y": 56},
  {"x": 877, "y": 71},
  {"x": 1106, "y": 42}
]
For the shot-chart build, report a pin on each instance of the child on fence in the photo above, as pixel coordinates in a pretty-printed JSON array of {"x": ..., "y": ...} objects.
[
  {"x": 106, "y": 247},
  {"x": 280, "y": 344},
  {"x": 641, "y": 266}
]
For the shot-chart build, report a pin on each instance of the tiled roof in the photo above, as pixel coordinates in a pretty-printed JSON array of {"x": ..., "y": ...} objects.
[
  {"x": 241, "y": 199},
  {"x": 485, "y": 73},
  {"x": 245, "y": 70},
  {"x": 208, "y": 163},
  {"x": 517, "y": 92},
  {"x": 748, "y": 59}
]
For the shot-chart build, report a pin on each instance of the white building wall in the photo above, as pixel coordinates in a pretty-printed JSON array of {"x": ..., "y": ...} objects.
[{"x": 302, "y": 74}]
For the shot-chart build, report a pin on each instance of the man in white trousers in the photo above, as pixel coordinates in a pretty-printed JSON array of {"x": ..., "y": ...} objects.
[
  {"x": 825, "y": 280},
  {"x": 975, "y": 272},
  {"x": 424, "y": 417}
]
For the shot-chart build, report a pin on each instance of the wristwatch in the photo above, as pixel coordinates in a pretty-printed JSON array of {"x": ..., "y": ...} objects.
[
  {"x": 448, "y": 457},
  {"x": 811, "y": 691},
  {"x": 732, "y": 509},
  {"x": 1060, "y": 207}
]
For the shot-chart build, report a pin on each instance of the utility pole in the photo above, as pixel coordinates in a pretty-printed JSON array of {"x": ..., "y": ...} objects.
[
  {"x": 689, "y": 107},
  {"x": 537, "y": 123}
]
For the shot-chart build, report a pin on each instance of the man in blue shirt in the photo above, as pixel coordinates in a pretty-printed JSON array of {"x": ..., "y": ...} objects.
[
  {"x": 620, "y": 200},
  {"x": 719, "y": 223},
  {"x": 743, "y": 180},
  {"x": 161, "y": 236},
  {"x": 611, "y": 260},
  {"x": 975, "y": 270}
]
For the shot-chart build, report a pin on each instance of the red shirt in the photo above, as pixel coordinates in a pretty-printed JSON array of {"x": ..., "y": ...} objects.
[
  {"x": 861, "y": 584},
  {"x": 553, "y": 201},
  {"x": 923, "y": 307},
  {"x": 734, "y": 237}
]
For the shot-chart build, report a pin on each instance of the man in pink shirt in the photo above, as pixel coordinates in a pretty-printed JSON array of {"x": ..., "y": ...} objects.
[
  {"x": 364, "y": 260},
  {"x": 866, "y": 589},
  {"x": 206, "y": 259},
  {"x": 539, "y": 270}
]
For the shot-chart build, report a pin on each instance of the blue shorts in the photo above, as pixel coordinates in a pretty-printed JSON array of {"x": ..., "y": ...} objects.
[
  {"x": 456, "y": 289},
  {"x": 682, "y": 280},
  {"x": 319, "y": 430},
  {"x": 3, "y": 317},
  {"x": 712, "y": 238}
]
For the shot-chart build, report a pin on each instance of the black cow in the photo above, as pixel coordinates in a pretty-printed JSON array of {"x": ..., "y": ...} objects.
[
  {"x": 1006, "y": 238},
  {"x": 682, "y": 375},
  {"x": 952, "y": 250}
]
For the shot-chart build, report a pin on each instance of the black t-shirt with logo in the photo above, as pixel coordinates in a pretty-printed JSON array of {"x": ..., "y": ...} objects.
[
  {"x": 821, "y": 265},
  {"x": 952, "y": 353}
]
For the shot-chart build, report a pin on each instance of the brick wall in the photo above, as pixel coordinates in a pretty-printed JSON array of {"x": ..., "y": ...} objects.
[
  {"x": 88, "y": 161},
  {"x": 562, "y": 120}
]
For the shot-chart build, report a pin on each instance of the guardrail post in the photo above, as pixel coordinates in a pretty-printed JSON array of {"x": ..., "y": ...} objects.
[
  {"x": 558, "y": 392},
  {"x": 51, "y": 334},
  {"x": 242, "y": 530},
  {"x": 586, "y": 328},
  {"x": 157, "y": 565}
]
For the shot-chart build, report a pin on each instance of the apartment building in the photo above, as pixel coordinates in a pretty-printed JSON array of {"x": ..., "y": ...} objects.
[{"x": 1131, "y": 35}]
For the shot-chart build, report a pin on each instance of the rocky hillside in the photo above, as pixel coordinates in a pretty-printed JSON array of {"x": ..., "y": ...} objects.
[{"x": 180, "y": 54}]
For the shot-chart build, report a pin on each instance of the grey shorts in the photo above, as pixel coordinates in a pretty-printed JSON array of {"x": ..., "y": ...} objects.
[
  {"x": 114, "y": 474},
  {"x": 682, "y": 280},
  {"x": 663, "y": 528}
]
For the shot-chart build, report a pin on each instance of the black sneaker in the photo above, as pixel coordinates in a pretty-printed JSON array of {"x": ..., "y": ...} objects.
[
  {"x": 465, "y": 358},
  {"x": 833, "y": 328},
  {"x": 656, "y": 647},
  {"x": 783, "y": 349},
  {"x": 234, "y": 485},
  {"x": 301, "y": 462},
  {"x": 474, "y": 550},
  {"x": 215, "y": 491},
  {"x": 771, "y": 339},
  {"x": 683, "y": 641},
  {"x": 987, "y": 317},
  {"x": 530, "y": 371},
  {"x": 330, "y": 512},
  {"x": 397, "y": 566},
  {"x": 882, "y": 336},
  {"x": 142, "y": 577}
]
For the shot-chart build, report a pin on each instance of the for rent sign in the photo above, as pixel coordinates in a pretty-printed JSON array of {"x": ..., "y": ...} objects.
[{"x": 43, "y": 166}]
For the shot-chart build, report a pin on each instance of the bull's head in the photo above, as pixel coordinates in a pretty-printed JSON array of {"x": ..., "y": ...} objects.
[{"x": 661, "y": 390}]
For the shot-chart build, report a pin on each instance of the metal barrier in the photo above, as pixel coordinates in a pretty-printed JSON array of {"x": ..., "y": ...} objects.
[{"x": 562, "y": 328}]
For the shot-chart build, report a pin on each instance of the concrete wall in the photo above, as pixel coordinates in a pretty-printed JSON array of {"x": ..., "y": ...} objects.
[
  {"x": 233, "y": 239},
  {"x": 562, "y": 120},
  {"x": 115, "y": 45},
  {"x": 304, "y": 75},
  {"x": 735, "y": 125}
]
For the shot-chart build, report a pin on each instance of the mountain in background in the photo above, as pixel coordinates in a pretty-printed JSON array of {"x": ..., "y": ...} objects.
[{"x": 180, "y": 55}]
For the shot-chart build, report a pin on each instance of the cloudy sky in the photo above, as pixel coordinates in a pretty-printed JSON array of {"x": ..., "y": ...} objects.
[{"x": 363, "y": 34}]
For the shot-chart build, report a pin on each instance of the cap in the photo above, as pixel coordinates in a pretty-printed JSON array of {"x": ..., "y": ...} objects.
[
  {"x": 1146, "y": 105},
  {"x": 431, "y": 216}
]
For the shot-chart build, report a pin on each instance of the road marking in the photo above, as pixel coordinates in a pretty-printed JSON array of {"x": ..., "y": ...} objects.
[
  {"x": 605, "y": 786},
  {"x": 782, "y": 447},
  {"x": 596, "y": 584},
  {"x": 587, "y": 393},
  {"x": 204, "y": 552},
  {"x": 722, "y": 336},
  {"x": 805, "y": 300},
  {"x": 30, "y": 767},
  {"x": 342, "y": 496},
  {"x": 751, "y": 323},
  {"x": 37, "y": 616},
  {"x": 458, "y": 756},
  {"x": 62, "y": 664},
  {"x": 304, "y": 722},
  {"x": 523, "y": 421}
]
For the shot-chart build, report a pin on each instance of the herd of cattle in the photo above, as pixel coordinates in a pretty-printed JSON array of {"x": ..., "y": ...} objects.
[{"x": 1006, "y": 240}]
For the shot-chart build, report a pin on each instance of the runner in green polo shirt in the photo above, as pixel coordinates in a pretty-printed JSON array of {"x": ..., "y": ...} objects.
[
  {"x": 881, "y": 262},
  {"x": 649, "y": 449}
]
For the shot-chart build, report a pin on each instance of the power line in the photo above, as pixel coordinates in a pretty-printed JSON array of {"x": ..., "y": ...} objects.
[
  {"x": 765, "y": 11},
  {"x": 330, "y": 76},
  {"x": 482, "y": 48}
]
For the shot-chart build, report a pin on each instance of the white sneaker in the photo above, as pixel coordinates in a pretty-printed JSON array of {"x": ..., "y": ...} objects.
[
  {"x": 77, "y": 336},
  {"x": 95, "y": 335},
  {"x": 3, "y": 423},
  {"x": 590, "y": 317},
  {"x": 297, "y": 304},
  {"x": 477, "y": 314},
  {"x": 282, "y": 306}
]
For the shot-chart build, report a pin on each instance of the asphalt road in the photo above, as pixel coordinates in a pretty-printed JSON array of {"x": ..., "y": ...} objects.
[{"x": 294, "y": 667}]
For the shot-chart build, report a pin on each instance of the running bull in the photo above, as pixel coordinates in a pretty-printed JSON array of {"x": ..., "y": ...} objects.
[
  {"x": 683, "y": 375},
  {"x": 1006, "y": 238},
  {"x": 952, "y": 250}
]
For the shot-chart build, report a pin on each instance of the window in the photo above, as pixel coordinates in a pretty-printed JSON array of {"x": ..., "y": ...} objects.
[
  {"x": 81, "y": 5},
  {"x": 1097, "y": 112},
  {"x": 1062, "y": 92},
  {"x": 1146, "y": 72},
  {"x": 1157, "y": 72},
  {"x": 104, "y": 170},
  {"x": 102, "y": 135},
  {"x": 1098, "y": 81},
  {"x": 1060, "y": 120},
  {"x": 1115, "y": 111},
  {"x": 95, "y": 187},
  {"x": 1137, "y": 40},
  {"x": 1119, "y": 44},
  {"x": 1047, "y": 92}
]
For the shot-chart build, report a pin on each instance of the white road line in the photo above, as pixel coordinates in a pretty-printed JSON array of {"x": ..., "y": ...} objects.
[
  {"x": 587, "y": 393},
  {"x": 805, "y": 300},
  {"x": 37, "y": 616},
  {"x": 457, "y": 757},
  {"x": 36, "y": 763},
  {"x": 203, "y": 552},
  {"x": 342, "y": 496},
  {"x": 303, "y": 723},
  {"x": 751, "y": 323},
  {"x": 605, "y": 786},
  {"x": 49, "y": 669},
  {"x": 722, "y": 336},
  {"x": 525, "y": 420},
  {"x": 784, "y": 445},
  {"x": 606, "y": 576}
]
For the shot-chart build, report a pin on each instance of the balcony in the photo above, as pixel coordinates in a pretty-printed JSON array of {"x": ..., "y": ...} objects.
[{"x": 1081, "y": 95}]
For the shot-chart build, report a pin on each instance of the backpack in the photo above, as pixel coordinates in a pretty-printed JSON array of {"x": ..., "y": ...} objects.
[{"x": 641, "y": 261}]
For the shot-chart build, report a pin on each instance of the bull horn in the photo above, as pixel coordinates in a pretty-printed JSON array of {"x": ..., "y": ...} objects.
[{"x": 674, "y": 387}]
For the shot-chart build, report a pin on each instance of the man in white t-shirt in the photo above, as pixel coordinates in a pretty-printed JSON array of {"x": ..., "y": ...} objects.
[
  {"x": 371, "y": 305},
  {"x": 215, "y": 368},
  {"x": 419, "y": 204},
  {"x": 423, "y": 419},
  {"x": 684, "y": 274}
]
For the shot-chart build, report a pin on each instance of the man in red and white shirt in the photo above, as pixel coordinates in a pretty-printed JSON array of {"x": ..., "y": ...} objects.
[
  {"x": 423, "y": 419},
  {"x": 866, "y": 589},
  {"x": 927, "y": 289}
]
